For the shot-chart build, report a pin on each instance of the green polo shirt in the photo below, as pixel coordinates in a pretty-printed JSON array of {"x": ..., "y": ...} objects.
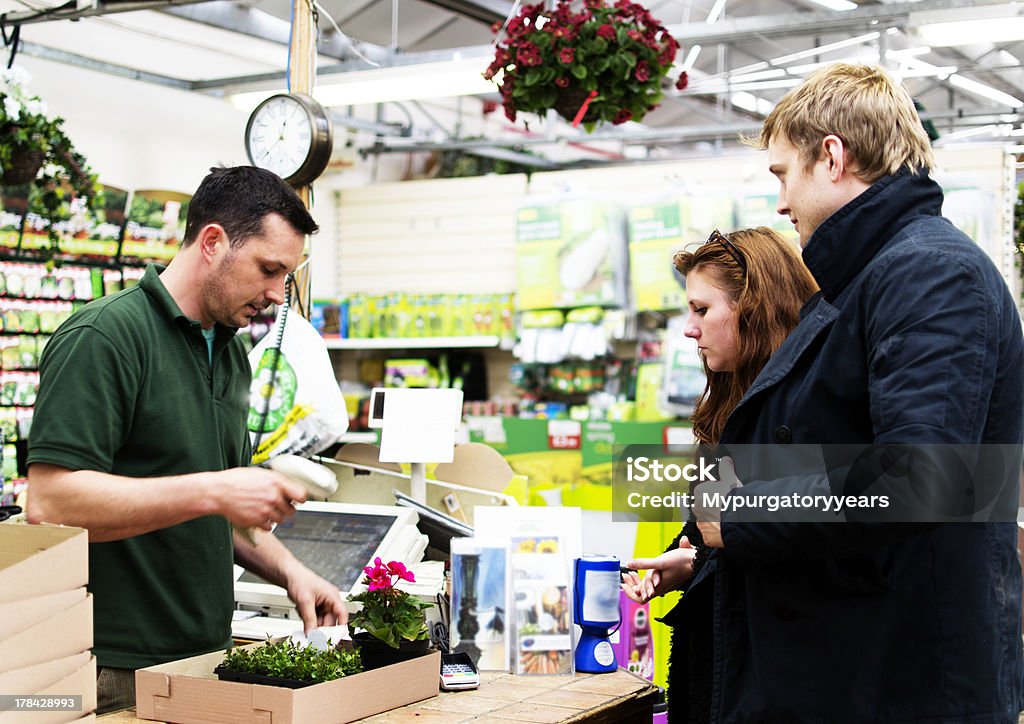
[{"x": 126, "y": 387}]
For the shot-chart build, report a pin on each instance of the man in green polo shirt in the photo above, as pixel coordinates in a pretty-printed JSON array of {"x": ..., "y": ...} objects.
[{"x": 140, "y": 436}]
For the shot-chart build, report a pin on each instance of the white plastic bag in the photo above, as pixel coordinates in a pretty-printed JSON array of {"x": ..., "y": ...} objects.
[{"x": 299, "y": 410}]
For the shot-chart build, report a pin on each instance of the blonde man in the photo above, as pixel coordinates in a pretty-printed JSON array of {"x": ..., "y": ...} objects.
[{"x": 914, "y": 341}]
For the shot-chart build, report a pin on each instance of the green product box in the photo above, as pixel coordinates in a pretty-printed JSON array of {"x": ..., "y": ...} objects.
[
  {"x": 656, "y": 232},
  {"x": 649, "y": 379},
  {"x": 570, "y": 253},
  {"x": 578, "y": 466},
  {"x": 597, "y": 445},
  {"x": 461, "y": 316},
  {"x": 758, "y": 209},
  {"x": 361, "y": 312}
]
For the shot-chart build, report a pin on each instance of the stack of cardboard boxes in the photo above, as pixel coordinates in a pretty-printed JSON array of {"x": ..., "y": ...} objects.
[{"x": 45, "y": 625}]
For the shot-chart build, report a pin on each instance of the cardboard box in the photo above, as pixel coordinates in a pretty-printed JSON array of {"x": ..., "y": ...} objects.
[
  {"x": 189, "y": 691},
  {"x": 36, "y": 560},
  {"x": 33, "y": 679},
  {"x": 81, "y": 682},
  {"x": 19, "y": 615},
  {"x": 63, "y": 634}
]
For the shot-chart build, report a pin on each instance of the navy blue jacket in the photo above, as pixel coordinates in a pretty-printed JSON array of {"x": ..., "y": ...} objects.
[{"x": 914, "y": 338}]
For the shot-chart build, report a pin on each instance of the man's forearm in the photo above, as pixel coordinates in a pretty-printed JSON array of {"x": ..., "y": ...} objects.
[
  {"x": 269, "y": 560},
  {"x": 113, "y": 507}
]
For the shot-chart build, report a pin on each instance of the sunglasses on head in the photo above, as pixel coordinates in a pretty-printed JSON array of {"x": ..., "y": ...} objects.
[{"x": 720, "y": 238}]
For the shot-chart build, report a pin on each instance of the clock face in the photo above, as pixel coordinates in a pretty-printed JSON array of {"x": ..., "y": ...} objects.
[{"x": 280, "y": 136}]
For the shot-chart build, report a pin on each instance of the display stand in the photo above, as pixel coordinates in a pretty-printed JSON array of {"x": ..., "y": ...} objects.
[{"x": 417, "y": 426}]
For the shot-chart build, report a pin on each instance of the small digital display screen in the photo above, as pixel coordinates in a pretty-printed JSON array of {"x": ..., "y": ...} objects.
[{"x": 334, "y": 545}]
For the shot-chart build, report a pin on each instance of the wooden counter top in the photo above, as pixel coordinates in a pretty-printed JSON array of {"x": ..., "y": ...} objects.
[{"x": 601, "y": 698}]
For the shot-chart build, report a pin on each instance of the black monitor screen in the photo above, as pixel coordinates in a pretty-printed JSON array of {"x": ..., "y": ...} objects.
[{"x": 335, "y": 545}]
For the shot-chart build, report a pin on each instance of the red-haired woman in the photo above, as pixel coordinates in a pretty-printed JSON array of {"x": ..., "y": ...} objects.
[{"x": 744, "y": 291}]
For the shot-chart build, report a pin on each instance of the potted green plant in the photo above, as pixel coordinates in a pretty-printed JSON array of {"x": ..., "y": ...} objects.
[
  {"x": 35, "y": 150},
  {"x": 393, "y": 621},
  {"x": 600, "y": 63},
  {"x": 285, "y": 663}
]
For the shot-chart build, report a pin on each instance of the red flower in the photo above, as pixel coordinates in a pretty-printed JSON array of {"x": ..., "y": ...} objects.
[
  {"x": 528, "y": 54},
  {"x": 562, "y": 82},
  {"x": 516, "y": 27},
  {"x": 684, "y": 80},
  {"x": 642, "y": 72},
  {"x": 566, "y": 55},
  {"x": 634, "y": 34},
  {"x": 488, "y": 107},
  {"x": 378, "y": 577},
  {"x": 510, "y": 111},
  {"x": 606, "y": 31},
  {"x": 397, "y": 568},
  {"x": 622, "y": 116}
]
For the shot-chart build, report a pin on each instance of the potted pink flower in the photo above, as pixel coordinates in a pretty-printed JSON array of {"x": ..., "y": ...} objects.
[{"x": 393, "y": 622}]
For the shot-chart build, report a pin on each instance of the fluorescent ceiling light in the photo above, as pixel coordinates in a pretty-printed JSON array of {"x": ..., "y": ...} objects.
[
  {"x": 691, "y": 58},
  {"x": 836, "y": 4},
  {"x": 717, "y": 86},
  {"x": 444, "y": 79},
  {"x": 965, "y": 26},
  {"x": 789, "y": 58},
  {"x": 989, "y": 130},
  {"x": 909, "y": 52},
  {"x": 856, "y": 40},
  {"x": 985, "y": 91},
  {"x": 993, "y": 30},
  {"x": 716, "y": 11},
  {"x": 752, "y": 103}
]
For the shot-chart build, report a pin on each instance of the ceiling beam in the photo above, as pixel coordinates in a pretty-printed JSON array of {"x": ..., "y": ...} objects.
[
  {"x": 679, "y": 134},
  {"x": 80, "y": 61},
  {"x": 484, "y": 11},
  {"x": 88, "y": 9},
  {"x": 347, "y": 66},
  {"x": 259, "y": 24}
]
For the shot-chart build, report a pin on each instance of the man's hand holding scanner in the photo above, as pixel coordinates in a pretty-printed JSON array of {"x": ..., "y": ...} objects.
[
  {"x": 668, "y": 572},
  {"x": 261, "y": 498},
  {"x": 707, "y": 503}
]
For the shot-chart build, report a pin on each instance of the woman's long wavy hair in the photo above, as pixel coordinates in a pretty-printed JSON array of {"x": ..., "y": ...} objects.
[{"x": 768, "y": 297}]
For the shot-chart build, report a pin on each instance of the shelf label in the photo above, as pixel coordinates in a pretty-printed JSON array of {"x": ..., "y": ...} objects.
[
  {"x": 678, "y": 440},
  {"x": 564, "y": 434}
]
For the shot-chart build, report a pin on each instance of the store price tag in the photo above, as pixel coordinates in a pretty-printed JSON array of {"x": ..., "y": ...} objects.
[
  {"x": 678, "y": 440},
  {"x": 564, "y": 434}
]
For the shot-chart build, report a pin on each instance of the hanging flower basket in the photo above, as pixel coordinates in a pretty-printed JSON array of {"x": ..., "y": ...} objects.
[
  {"x": 34, "y": 149},
  {"x": 591, "y": 63},
  {"x": 24, "y": 164},
  {"x": 569, "y": 103}
]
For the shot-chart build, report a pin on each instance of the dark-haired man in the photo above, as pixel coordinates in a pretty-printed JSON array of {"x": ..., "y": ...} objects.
[{"x": 140, "y": 436}]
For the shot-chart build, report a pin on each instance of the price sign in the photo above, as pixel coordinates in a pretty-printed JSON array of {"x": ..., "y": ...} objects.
[{"x": 564, "y": 434}]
